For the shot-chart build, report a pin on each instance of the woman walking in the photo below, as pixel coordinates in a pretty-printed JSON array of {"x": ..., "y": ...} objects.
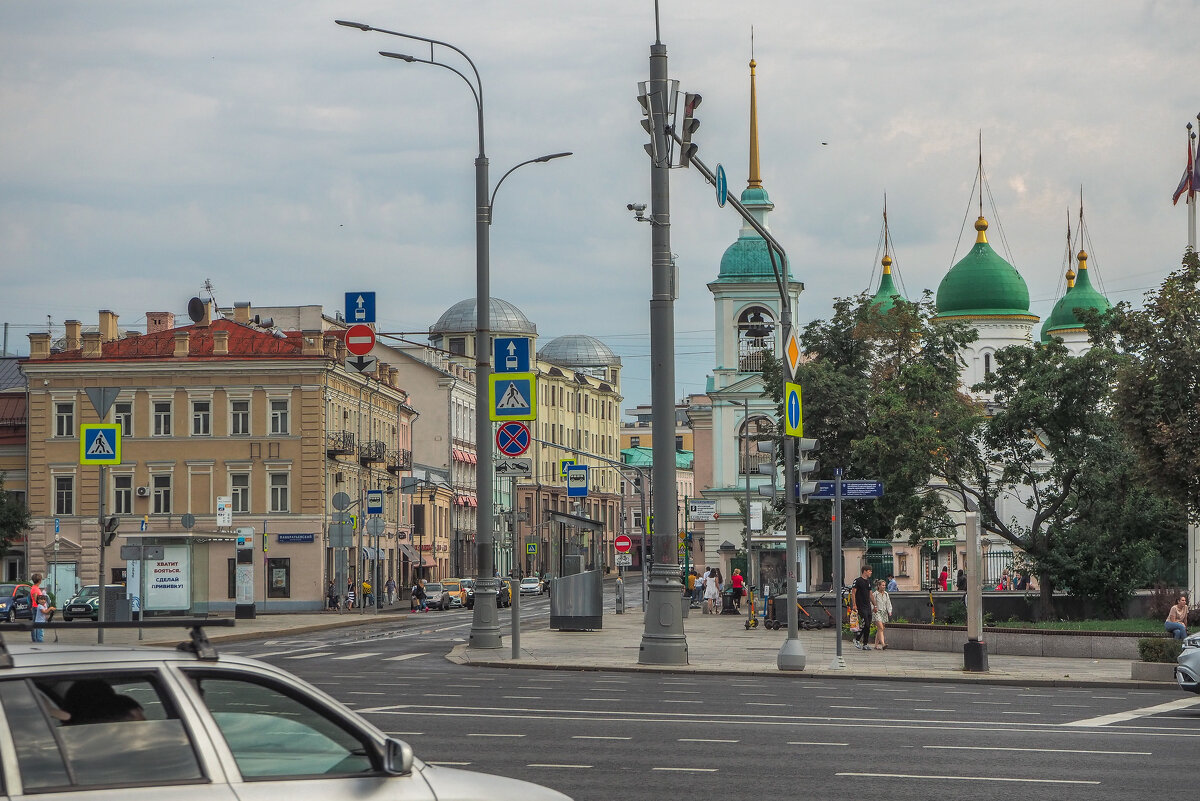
[
  {"x": 712, "y": 591},
  {"x": 882, "y": 613},
  {"x": 739, "y": 587}
]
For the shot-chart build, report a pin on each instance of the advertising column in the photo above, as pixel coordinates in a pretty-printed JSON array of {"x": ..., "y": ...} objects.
[{"x": 244, "y": 575}]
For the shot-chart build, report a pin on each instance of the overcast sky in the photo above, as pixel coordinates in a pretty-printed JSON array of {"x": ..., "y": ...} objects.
[{"x": 148, "y": 146}]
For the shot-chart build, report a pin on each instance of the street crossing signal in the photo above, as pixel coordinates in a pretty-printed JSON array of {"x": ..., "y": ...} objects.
[
  {"x": 688, "y": 127},
  {"x": 805, "y": 466}
]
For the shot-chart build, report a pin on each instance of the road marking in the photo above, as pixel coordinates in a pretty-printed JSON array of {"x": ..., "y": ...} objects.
[
  {"x": 402, "y": 657},
  {"x": 363, "y": 692},
  {"x": 553, "y": 765},
  {"x": 963, "y": 692},
  {"x": 1033, "y": 750},
  {"x": 683, "y": 692},
  {"x": 1034, "y": 695},
  {"x": 994, "y": 703},
  {"x": 844, "y": 706},
  {"x": 965, "y": 778},
  {"x": 450, "y": 764},
  {"x": 1120, "y": 717},
  {"x": 704, "y": 740},
  {"x": 772, "y": 695},
  {"x": 680, "y": 701},
  {"x": 597, "y": 737},
  {"x": 409, "y": 733},
  {"x": 356, "y": 656},
  {"x": 443, "y": 695},
  {"x": 689, "y": 770},
  {"x": 807, "y": 743},
  {"x": 313, "y": 656},
  {"x": 1072, "y": 706},
  {"x": 608, "y": 699},
  {"x": 522, "y": 697},
  {"x": 768, "y": 703},
  {"x": 1015, "y": 713},
  {"x": 480, "y": 734}
]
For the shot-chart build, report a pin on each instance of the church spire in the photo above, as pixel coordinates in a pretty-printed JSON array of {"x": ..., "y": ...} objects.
[{"x": 755, "y": 176}]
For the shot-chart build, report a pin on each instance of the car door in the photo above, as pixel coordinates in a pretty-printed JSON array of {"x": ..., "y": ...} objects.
[
  {"x": 283, "y": 739},
  {"x": 117, "y": 736}
]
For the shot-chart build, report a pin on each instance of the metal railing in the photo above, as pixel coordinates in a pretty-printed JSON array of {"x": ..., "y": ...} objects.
[
  {"x": 339, "y": 442},
  {"x": 399, "y": 461},
  {"x": 375, "y": 451}
]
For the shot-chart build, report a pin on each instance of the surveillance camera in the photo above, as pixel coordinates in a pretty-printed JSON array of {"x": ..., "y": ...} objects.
[{"x": 637, "y": 208}]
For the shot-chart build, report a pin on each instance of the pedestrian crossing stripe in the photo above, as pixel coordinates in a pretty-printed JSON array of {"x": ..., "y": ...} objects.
[
  {"x": 512, "y": 396},
  {"x": 100, "y": 443}
]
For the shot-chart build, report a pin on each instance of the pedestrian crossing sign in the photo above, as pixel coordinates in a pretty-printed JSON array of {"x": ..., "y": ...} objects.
[
  {"x": 512, "y": 396},
  {"x": 100, "y": 443}
]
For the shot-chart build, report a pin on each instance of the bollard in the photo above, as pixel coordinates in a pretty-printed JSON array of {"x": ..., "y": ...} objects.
[{"x": 620, "y": 596}]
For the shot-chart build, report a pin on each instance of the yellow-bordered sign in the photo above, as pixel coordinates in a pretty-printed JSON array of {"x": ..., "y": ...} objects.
[
  {"x": 100, "y": 443},
  {"x": 793, "y": 410},
  {"x": 512, "y": 396},
  {"x": 563, "y": 464}
]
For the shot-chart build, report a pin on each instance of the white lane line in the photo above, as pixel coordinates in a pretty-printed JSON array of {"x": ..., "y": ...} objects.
[
  {"x": 683, "y": 692},
  {"x": 402, "y": 657},
  {"x": 612, "y": 681},
  {"x": 963, "y": 692},
  {"x": 610, "y": 699},
  {"x": 808, "y": 743},
  {"x": 408, "y": 733},
  {"x": 313, "y": 656},
  {"x": 522, "y": 697},
  {"x": 768, "y": 703},
  {"x": 363, "y": 692},
  {"x": 481, "y": 734},
  {"x": 450, "y": 764},
  {"x": 964, "y": 778},
  {"x": 1120, "y": 717},
  {"x": 1034, "y": 695},
  {"x": 994, "y": 703},
  {"x": 554, "y": 765},
  {"x": 914, "y": 700},
  {"x": 680, "y": 701},
  {"x": 772, "y": 695},
  {"x": 443, "y": 695},
  {"x": 1002, "y": 713},
  {"x": 597, "y": 737},
  {"x": 689, "y": 770},
  {"x": 833, "y": 697},
  {"x": 1072, "y": 706},
  {"x": 704, "y": 740},
  {"x": 265, "y": 654},
  {"x": 1108, "y": 698},
  {"x": 1034, "y": 750},
  {"x": 364, "y": 655},
  {"x": 844, "y": 706}
]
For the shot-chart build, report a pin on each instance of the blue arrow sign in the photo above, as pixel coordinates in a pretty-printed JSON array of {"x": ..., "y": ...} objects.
[
  {"x": 360, "y": 307},
  {"x": 722, "y": 186},
  {"x": 510, "y": 355},
  {"x": 374, "y": 502},
  {"x": 851, "y": 490}
]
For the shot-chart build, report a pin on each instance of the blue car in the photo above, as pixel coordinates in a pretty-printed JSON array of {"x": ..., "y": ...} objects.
[{"x": 14, "y": 602}]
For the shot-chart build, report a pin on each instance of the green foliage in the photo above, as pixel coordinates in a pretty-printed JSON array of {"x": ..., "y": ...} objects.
[
  {"x": 956, "y": 614},
  {"x": 14, "y": 518},
  {"x": 1159, "y": 649}
]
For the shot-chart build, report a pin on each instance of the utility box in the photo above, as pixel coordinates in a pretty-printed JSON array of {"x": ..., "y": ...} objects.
[{"x": 576, "y": 602}]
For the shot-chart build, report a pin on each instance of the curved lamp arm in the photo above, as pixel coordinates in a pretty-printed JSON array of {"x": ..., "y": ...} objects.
[{"x": 538, "y": 160}]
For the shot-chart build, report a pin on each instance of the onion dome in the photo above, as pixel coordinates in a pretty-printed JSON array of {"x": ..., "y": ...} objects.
[
  {"x": 885, "y": 299},
  {"x": 461, "y": 318},
  {"x": 579, "y": 351},
  {"x": 1080, "y": 294},
  {"x": 983, "y": 284}
]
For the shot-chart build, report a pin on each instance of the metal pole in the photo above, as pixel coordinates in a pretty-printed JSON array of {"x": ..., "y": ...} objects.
[
  {"x": 746, "y": 472},
  {"x": 514, "y": 584},
  {"x": 102, "y": 608},
  {"x": 839, "y": 662},
  {"x": 663, "y": 639}
]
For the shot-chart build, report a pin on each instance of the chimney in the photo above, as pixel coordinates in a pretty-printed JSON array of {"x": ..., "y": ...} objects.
[
  {"x": 39, "y": 345},
  {"x": 92, "y": 348},
  {"x": 381, "y": 371},
  {"x": 341, "y": 350},
  {"x": 73, "y": 329},
  {"x": 331, "y": 343},
  {"x": 393, "y": 377},
  {"x": 311, "y": 343},
  {"x": 241, "y": 312},
  {"x": 157, "y": 322},
  {"x": 182, "y": 343},
  {"x": 220, "y": 342},
  {"x": 206, "y": 320},
  {"x": 108, "y": 326}
]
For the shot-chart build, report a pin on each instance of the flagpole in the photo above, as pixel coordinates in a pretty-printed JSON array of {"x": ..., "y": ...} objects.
[{"x": 1192, "y": 199}]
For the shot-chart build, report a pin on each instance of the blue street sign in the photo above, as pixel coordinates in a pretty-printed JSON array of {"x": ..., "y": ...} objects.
[
  {"x": 374, "y": 502},
  {"x": 577, "y": 481},
  {"x": 57, "y": 524},
  {"x": 360, "y": 307},
  {"x": 512, "y": 439},
  {"x": 722, "y": 186},
  {"x": 100, "y": 443},
  {"x": 512, "y": 396},
  {"x": 510, "y": 355},
  {"x": 851, "y": 490},
  {"x": 794, "y": 426}
]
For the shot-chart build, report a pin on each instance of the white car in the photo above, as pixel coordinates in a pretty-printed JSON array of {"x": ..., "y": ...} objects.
[
  {"x": 144, "y": 724},
  {"x": 1187, "y": 666},
  {"x": 531, "y": 585}
]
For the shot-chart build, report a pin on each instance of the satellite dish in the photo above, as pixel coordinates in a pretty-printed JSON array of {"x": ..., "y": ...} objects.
[{"x": 196, "y": 309}]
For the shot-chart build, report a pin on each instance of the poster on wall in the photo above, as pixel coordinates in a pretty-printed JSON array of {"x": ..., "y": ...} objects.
[{"x": 167, "y": 582}]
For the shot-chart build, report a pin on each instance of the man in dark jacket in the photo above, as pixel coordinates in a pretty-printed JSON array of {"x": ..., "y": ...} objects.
[{"x": 861, "y": 602}]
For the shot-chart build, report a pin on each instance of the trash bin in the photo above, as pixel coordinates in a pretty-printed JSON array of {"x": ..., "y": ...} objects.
[
  {"x": 727, "y": 607},
  {"x": 576, "y": 602}
]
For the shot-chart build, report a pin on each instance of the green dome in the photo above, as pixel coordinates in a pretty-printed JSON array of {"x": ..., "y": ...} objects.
[
  {"x": 1082, "y": 295},
  {"x": 885, "y": 299},
  {"x": 747, "y": 259},
  {"x": 983, "y": 284}
]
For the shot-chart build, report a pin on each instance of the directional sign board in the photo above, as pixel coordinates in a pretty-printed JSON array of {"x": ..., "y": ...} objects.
[
  {"x": 577, "y": 481},
  {"x": 520, "y": 468},
  {"x": 794, "y": 410},
  {"x": 622, "y": 543},
  {"x": 510, "y": 355},
  {"x": 702, "y": 510},
  {"x": 100, "y": 443},
  {"x": 360, "y": 307},
  {"x": 851, "y": 490},
  {"x": 512, "y": 438},
  {"x": 375, "y": 502},
  {"x": 512, "y": 396},
  {"x": 363, "y": 364},
  {"x": 360, "y": 339}
]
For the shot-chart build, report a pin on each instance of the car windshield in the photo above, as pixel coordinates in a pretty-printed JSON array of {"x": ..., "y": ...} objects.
[
  {"x": 7, "y": 589},
  {"x": 530, "y": 580},
  {"x": 433, "y": 588},
  {"x": 87, "y": 593}
]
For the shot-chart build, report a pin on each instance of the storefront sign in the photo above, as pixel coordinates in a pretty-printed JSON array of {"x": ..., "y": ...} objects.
[{"x": 295, "y": 537}]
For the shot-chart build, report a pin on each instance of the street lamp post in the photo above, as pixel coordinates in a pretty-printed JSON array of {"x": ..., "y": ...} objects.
[{"x": 485, "y": 623}]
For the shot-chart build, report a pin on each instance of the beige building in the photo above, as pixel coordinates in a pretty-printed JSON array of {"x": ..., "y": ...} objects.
[
  {"x": 12, "y": 456},
  {"x": 236, "y": 409}
]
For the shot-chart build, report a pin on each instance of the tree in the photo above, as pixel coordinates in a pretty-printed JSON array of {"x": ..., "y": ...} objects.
[{"x": 14, "y": 518}]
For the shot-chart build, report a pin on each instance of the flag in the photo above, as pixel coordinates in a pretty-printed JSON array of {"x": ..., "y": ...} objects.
[
  {"x": 1195, "y": 178},
  {"x": 1188, "y": 182}
]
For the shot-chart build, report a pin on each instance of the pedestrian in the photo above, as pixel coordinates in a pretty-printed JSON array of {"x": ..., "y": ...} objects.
[
  {"x": 739, "y": 587},
  {"x": 391, "y": 591},
  {"x": 1005, "y": 581},
  {"x": 1176, "y": 622},
  {"x": 332, "y": 601},
  {"x": 961, "y": 581},
  {"x": 883, "y": 613},
  {"x": 40, "y": 606},
  {"x": 944, "y": 578},
  {"x": 368, "y": 595},
  {"x": 419, "y": 596},
  {"x": 712, "y": 591},
  {"x": 863, "y": 606},
  {"x": 892, "y": 586},
  {"x": 350, "y": 594},
  {"x": 701, "y": 583}
]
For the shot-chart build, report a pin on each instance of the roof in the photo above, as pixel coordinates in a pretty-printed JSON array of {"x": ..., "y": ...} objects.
[
  {"x": 982, "y": 284},
  {"x": 11, "y": 376},
  {"x": 747, "y": 259},
  {"x": 12, "y": 410},
  {"x": 244, "y": 341},
  {"x": 885, "y": 298},
  {"x": 1080, "y": 294},
  {"x": 579, "y": 350},
  {"x": 461, "y": 318}
]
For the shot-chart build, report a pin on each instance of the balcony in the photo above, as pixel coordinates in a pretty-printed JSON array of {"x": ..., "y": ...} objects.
[
  {"x": 399, "y": 461},
  {"x": 339, "y": 443},
  {"x": 375, "y": 451}
]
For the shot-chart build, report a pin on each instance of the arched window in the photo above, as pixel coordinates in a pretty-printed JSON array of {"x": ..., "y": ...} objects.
[
  {"x": 756, "y": 338},
  {"x": 987, "y": 365}
]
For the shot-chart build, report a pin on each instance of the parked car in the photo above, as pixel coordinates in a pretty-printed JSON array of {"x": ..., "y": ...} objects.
[
  {"x": 503, "y": 593},
  {"x": 14, "y": 602},
  {"x": 1187, "y": 666},
  {"x": 531, "y": 585},
  {"x": 88, "y": 721},
  {"x": 433, "y": 594},
  {"x": 453, "y": 595},
  {"x": 86, "y": 603}
]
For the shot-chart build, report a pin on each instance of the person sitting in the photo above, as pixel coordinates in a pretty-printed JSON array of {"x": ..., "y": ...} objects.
[
  {"x": 1176, "y": 622},
  {"x": 95, "y": 701}
]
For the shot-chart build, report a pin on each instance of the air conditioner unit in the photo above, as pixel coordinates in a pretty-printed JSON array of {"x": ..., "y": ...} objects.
[
  {"x": 338, "y": 478},
  {"x": 143, "y": 492}
]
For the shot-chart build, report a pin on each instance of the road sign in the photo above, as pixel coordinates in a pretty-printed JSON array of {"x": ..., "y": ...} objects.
[
  {"x": 375, "y": 502},
  {"x": 794, "y": 424},
  {"x": 102, "y": 399},
  {"x": 245, "y": 537},
  {"x": 100, "y": 443},
  {"x": 57, "y": 525},
  {"x": 363, "y": 364},
  {"x": 577, "y": 481},
  {"x": 531, "y": 548},
  {"x": 563, "y": 464},
  {"x": 188, "y": 521},
  {"x": 722, "y": 187},
  {"x": 622, "y": 543},
  {"x": 519, "y": 468},
  {"x": 624, "y": 560},
  {"x": 851, "y": 490},
  {"x": 512, "y": 438},
  {"x": 511, "y": 355},
  {"x": 512, "y": 396},
  {"x": 792, "y": 353},
  {"x": 360, "y": 307},
  {"x": 341, "y": 501},
  {"x": 360, "y": 339},
  {"x": 700, "y": 511},
  {"x": 375, "y": 526}
]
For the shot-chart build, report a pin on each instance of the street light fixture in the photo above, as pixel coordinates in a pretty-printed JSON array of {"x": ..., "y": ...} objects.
[{"x": 485, "y": 623}]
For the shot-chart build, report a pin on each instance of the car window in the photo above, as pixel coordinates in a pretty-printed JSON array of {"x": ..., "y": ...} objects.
[
  {"x": 85, "y": 731},
  {"x": 433, "y": 588},
  {"x": 275, "y": 734}
]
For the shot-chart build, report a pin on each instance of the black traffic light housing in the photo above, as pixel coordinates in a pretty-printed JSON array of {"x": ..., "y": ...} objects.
[{"x": 111, "y": 524}]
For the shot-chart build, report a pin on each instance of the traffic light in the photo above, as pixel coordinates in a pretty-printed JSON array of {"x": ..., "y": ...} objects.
[
  {"x": 767, "y": 468},
  {"x": 648, "y": 124},
  {"x": 110, "y": 530},
  {"x": 804, "y": 466},
  {"x": 689, "y": 126}
]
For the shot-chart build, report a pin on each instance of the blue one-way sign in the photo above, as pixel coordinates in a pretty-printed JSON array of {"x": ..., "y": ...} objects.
[
  {"x": 360, "y": 307},
  {"x": 510, "y": 355}
]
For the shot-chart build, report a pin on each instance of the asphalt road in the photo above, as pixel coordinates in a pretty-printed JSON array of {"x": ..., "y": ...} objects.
[{"x": 617, "y": 735}]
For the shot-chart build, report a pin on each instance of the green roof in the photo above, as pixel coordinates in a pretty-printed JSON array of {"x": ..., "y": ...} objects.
[
  {"x": 644, "y": 457},
  {"x": 983, "y": 284},
  {"x": 885, "y": 299},
  {"x": 747, "y": 259},
  {"x": 1080, "y": 296}
]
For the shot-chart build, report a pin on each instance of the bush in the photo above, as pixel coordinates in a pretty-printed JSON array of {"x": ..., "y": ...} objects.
[
  {"x": 1159, "y": 649},
  {"x": 956, "y": 613}
]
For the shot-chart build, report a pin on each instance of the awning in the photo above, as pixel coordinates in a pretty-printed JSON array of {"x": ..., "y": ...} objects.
[
  {"x": 427, "y": 562},
  {"x": 370, "y": 553},
  {"x": 465, "y": 500},
  {"x": 409, "y": 553},
  {"x": 464, "y": 455}
]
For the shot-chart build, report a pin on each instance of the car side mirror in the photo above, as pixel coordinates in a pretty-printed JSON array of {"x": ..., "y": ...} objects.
[{"x": 397, "y": 757}]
